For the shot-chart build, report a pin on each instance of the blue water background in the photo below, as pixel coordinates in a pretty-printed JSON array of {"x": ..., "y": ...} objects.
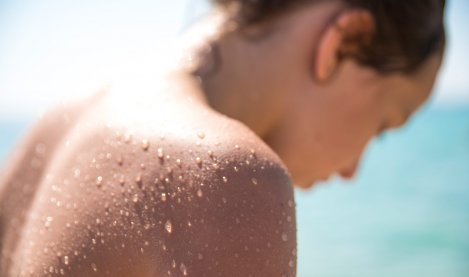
[{"x": 406, "y": 214}]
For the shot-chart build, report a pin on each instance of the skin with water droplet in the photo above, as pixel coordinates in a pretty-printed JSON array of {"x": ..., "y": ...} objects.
[
  {"x": 99, "y": 181},
  {"x": 183, "y": 269},
  {"x": 160, "y": 153},
  {"x": 284, "y": 237},
  {"x": 145, "y": 145},
  {"x": 48, "y": 222},
  {"x": 168, "y": 226},
  {"x": 66, "y": 261}
]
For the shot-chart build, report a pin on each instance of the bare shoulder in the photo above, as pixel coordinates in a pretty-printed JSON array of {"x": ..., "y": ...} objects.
[
  {"x": 198, "y": 196},
  {"x": 238, "y": 216}
]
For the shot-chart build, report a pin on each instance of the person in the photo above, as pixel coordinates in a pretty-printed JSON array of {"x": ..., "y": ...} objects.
[{"x": 192, "y": 174}]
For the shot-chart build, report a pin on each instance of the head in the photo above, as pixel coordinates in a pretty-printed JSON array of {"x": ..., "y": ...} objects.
[{"x": 317, "y": 79}]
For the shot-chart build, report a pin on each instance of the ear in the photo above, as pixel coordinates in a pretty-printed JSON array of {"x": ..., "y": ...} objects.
[{"x": 345, "y": 35}]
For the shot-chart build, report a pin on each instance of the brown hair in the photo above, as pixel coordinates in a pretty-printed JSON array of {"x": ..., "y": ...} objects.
[{"x": 407, "y": 32}]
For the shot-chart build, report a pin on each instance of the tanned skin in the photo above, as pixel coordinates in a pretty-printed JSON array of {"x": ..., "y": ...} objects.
[{"x": 170, "y": 189}]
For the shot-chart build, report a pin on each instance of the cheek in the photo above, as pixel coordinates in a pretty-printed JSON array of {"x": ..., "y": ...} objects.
[
  {"x": 347, "y": 130},
  {"x": 317, "y": 139}
]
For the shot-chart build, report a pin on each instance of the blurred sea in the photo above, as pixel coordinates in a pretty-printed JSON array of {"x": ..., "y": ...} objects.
[{"x": 406, "y": 214}]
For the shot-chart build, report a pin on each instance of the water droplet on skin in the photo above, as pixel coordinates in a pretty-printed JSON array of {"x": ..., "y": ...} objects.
[
  {"x": 183, "y": 269},
  {"x": 138, "y": 179},
  {"x": 225, "y": 180},
  {"x": 76, "y": 173},
  {"x": 237, "y": 147},
  {"x": 168, "y": 227},
  {"x": 120, "y": 161},
  {"x": 66, "y": 260},
  {"x": 122, "y": 180},
  {"x": 284, "y": 237},
  {"x": 236, "y": 168},
  {"x": 201, "y": 135},
  {"x": 145, "y": 145},
  {"x": 254, "y": 181},
  {"x": 48, "y": 222},
  {"x": 135, "y": 198},
  {"x": 199, "y": 193},
  {"x": 173, "y": 264},
  {"x": 94, "y": 267},
  {"x": 160, "y": 153},
  {"x": 178, "y": 162},
  {"x": 99, "y": 181},
  {"x": 163, "y": 197},
  {"x": 198, "y": 161}
]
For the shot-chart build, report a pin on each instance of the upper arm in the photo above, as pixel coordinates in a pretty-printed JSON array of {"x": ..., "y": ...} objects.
[{"x": 241, "y": 223}]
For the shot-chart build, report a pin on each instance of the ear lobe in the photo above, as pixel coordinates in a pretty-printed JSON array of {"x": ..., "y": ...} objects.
[{"x": 344, "y": 36}]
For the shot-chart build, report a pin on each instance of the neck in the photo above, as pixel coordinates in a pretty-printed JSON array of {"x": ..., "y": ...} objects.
[
  {"x": 245, "y": 74},
  {"x": 229, "y": 70}
]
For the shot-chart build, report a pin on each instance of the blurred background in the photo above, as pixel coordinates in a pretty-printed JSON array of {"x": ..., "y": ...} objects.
[{"x": 407, "y": 212}]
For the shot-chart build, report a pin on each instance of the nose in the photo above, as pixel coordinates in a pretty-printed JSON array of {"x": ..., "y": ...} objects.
[{"x": 350, "y": 171}]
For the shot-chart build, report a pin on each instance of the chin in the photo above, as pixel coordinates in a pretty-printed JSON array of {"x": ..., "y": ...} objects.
[{"x": 304, "y": 183}]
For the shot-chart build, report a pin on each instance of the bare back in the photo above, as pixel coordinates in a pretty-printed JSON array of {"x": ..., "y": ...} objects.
[{"x": 165, "y": 189}]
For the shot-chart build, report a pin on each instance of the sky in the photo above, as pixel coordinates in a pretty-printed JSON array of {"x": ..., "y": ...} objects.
[{"x": 52, "y": 50}]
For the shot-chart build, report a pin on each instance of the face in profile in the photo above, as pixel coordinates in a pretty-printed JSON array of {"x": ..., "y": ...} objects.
[{"x": 327, "y": 130}]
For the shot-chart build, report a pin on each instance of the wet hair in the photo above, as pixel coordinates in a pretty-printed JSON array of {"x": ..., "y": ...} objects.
[{"x": 407, "y": 31}]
